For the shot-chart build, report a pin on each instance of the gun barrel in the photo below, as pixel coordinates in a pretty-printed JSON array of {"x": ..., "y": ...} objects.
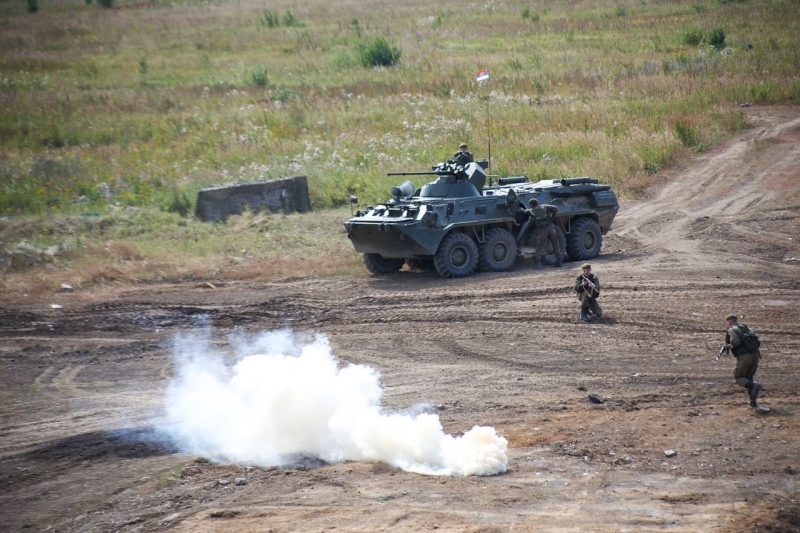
[
  {"x": 430, "y": 173},
  {"x": 510, "y": 181},
  {"x": 566, "y": 182}
]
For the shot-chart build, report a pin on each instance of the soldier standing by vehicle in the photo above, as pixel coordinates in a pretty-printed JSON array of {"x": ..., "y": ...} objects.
[
  {"x": 745, "y": 345},
  {"x": 543, "y": 221},
  {"x": 587, "y": 285},
  {"x": 463, "y": 156}
]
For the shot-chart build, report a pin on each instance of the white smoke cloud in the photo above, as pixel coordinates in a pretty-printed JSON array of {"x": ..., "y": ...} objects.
[{"x": 285, "y": 397}]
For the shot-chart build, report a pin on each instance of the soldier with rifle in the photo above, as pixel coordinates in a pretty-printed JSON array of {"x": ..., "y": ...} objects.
[
  {"x": 463, "y": 157},
  {"x": 587, "y": 285},
  {"x": 745, "y": 345},
  {"x": 543, "y": 221}
]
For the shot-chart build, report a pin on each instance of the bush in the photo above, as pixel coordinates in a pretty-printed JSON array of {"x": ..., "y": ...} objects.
[
  {"x": 378, "y": 53},
  {"x": 258, "y": 76},
  {"x": 290, "y": 21},
  {"x": 33, "y": 6},
  {"x": 688, "y": 135},
  {"x": 108, "y": 4},
  {"x": 717, "y": 38},
  {"x": 269, "y": 19},
  {"x": 692, "y": 36},
  {"x": 179, "y": 203}
]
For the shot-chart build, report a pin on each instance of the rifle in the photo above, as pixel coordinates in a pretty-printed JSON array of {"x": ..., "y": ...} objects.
[
  {"x": 591, "y": 285},
  {"x": 722, "y": 349}
]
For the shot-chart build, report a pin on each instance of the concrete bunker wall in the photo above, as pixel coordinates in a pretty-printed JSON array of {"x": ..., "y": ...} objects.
[{"x": 286, "y": 195}]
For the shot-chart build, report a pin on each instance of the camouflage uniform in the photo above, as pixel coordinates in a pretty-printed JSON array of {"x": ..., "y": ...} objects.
[
  {"x": 542, "y": 219},
  {"x": 462, "y": 158},
  {"x": 746, "y": 360},
  {"x": 588, "y": 295}
]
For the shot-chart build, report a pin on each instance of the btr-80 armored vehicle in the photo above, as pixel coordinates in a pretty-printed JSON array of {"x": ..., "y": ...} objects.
[{"x": 457, "y": 224}]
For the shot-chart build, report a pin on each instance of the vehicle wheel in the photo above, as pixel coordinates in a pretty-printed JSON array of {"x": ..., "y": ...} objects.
[
  {"x": 550, "y": 254},
  {"x": 377, "y": 264},
  {"x": 420, "y": 264},
  {"x": 456, "y": 257},
  {"x": 498, "y": 252},
  {"x": 585, "y": 239}
]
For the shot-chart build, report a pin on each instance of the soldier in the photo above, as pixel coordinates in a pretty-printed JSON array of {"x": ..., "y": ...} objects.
[
  {"x": 744, "y": 344},
  {"x": 543, "y": 221},
  {"x": 587, "y": 285},
  {"x": 463, "y": 156},
  {"x": 519, "y": 217}
]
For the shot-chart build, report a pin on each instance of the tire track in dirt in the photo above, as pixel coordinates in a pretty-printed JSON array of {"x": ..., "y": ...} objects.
[{"x": 505, "y": 350}]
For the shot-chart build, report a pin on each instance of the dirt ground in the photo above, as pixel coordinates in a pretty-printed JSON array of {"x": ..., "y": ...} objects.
[{"x": 83, "y": 386}]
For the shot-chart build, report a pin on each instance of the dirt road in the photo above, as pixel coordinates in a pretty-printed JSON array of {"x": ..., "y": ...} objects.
[{"x": 83, "y": 386}]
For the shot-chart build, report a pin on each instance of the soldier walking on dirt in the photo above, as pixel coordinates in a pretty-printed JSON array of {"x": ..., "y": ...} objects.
[
  {"x": 587, "y": 285},
  {"x": 543, "y": 221},
  {"x": 744, "y": 344}
]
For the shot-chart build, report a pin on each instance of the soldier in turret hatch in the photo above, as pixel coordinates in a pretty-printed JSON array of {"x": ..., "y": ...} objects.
[{"x": 463, "y": 156}]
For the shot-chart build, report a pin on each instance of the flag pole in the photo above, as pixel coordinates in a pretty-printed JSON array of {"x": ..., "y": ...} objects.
[
  {"x": 489, "y": 133},
  {"x": 482, "y": 76}
]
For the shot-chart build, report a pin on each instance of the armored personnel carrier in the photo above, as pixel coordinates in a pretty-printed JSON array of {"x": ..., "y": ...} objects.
[{"x": 457, "y": 224}]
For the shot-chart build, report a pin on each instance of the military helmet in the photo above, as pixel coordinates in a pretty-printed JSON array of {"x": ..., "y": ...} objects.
[
  {"x": 533, "y": 202},
  {"x": 731, "y": 317}
]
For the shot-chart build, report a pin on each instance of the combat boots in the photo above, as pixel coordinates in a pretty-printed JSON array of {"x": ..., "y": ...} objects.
[
  {"x": 754, "y": 389},
  {"x": 585, "y": 315}
]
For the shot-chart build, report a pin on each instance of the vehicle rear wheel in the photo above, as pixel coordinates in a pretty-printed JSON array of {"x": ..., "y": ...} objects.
[
  {"x": 549, "y": 253},
  {"x": 498, "y": 252},
  {"x": 456, "y": 257},
  {"x": 585, "y": 239},
  {"x": 377, "y": 264}
]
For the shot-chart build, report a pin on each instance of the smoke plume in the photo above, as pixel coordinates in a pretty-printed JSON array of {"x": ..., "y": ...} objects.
[{"x": 282, "y": 397}]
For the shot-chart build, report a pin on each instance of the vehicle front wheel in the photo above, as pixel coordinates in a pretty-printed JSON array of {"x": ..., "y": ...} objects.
[
  {"x": 456, "y": 257},
  {"x": 585, "y": 239},
  {"x": 377, "y": 264},
  {"x": 498, "y": 251}
]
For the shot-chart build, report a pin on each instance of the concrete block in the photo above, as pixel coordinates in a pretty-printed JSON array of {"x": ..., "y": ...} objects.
[{"x": 286, "y": 195}]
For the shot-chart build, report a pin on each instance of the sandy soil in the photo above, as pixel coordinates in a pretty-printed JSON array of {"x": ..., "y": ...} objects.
[{"x": 83, "y": 386}]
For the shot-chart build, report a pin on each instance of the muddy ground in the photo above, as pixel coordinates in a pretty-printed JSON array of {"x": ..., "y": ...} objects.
[{"x": 82, "y": 386}]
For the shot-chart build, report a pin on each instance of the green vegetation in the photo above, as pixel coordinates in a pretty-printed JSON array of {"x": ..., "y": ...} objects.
[
  {"x": 142, "y": 105},
  {"x": 716, "y": 38},
  {"x": 269, "y": 19},
  {"x": 692, "y": 36},
  {"x": 378, "y": 53}
]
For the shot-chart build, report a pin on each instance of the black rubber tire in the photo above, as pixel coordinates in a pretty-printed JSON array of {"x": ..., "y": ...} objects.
[
  {"x": 585, "y": 239},
  {"x": 377, "y": 264},
  {"x": 423, "y": 265},
  {"x": 456, "y": 257},
  {"x": 549, "y": 254},
  {"x": 498, "y": 252}
]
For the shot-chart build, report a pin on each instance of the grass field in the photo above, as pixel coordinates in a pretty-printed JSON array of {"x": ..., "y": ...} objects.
[{"x": 128, "y": 111}]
